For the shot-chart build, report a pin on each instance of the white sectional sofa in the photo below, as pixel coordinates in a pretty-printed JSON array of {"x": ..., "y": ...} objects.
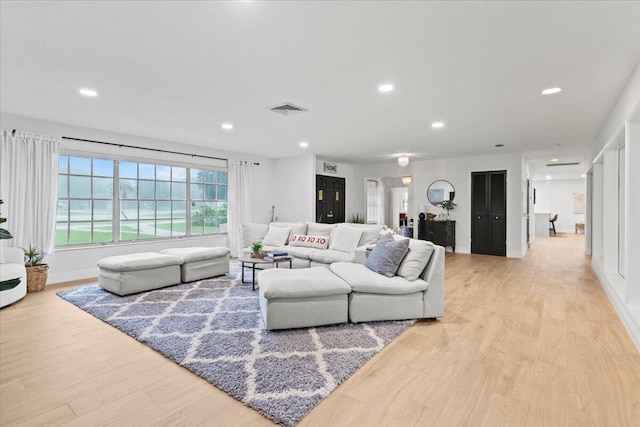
[
  {"x": 340, "y": 246},
  {"x": 296, "y": 299}
]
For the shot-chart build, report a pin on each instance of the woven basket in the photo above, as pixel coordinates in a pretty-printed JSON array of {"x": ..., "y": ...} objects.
[{"x": 37, "y": 277}]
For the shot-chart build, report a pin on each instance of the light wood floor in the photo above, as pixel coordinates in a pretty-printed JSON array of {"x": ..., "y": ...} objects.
[{"x": 522, "y": 342}]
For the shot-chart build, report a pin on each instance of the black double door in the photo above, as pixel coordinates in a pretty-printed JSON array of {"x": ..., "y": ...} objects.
[
  {"x": 489, "y": 213},
  {"x": 330, "y": 199}
]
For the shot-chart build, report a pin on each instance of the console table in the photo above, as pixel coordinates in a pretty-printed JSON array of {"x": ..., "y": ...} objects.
[{"x": 441, "y": 233}]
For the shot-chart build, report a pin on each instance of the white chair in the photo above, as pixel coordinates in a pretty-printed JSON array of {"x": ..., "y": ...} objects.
[{"x": 12, "y": 267}]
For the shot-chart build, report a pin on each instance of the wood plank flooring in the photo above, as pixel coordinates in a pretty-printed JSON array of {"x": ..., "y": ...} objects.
[{"x": 523, "y": 342}]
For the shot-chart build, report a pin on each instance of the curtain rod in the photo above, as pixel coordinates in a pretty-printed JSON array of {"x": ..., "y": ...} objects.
[{"x": 150, "y": 149}]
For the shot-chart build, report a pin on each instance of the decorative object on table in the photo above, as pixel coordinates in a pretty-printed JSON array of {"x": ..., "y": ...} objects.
[
  {"x": 356, "y": 218},
  {"x": 277, "y": 255},
  {"x": 431, "y": 217},
  {"x": 231, "y": 348},
  {"x": 439, "y": 191},
  {"x": 37, "y": 271},
  {"x": 256, "y": 250},
  {"x": 448, "y": 206}
]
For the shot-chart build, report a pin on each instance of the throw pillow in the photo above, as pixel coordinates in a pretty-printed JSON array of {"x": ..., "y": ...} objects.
[
  {"x": 276, "y": 236},
  {"x": 345, "y": 239},
  {"x": 317, "y": 242},
  {"x": 387, "y": 256},
  {"x": 416, "y": 260},
  {"x": 296, "y": 227}
]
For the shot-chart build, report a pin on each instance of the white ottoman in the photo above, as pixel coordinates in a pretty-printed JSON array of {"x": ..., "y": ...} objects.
[
  {"x": 200, "y": 263},
  {"x": 128, "y": 274},
  {"x": 302, "y": 298}
]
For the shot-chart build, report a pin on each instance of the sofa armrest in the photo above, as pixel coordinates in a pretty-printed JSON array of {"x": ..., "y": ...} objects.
[
  {"x": 434, "y": 295},
  {"x": 361, "y": 253},
  {"x": 12, "y": 255}
]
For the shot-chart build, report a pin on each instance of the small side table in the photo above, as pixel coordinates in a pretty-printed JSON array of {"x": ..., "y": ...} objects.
[{"x": 253, "y": 262}]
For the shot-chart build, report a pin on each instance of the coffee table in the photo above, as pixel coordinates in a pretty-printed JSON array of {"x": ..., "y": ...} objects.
[{"x": 253, "y": 262}]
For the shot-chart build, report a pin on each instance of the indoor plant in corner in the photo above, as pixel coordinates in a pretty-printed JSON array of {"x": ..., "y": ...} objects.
[
  {"x": 36, "y": 270},
  {"x": 256, "y": 250}
]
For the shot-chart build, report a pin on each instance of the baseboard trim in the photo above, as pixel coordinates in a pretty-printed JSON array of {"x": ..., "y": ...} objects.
[
  {"x": 72, "y": 276},
  {"x": 624, "y": 311}
]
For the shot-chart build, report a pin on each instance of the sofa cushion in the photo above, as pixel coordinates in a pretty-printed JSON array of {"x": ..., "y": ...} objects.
[
  {"x": 299, "y": 252},
  {"x": 300, "y": 283},
  {"x": 386, "y": 257},
  {"x": 140, "y": 261},
  {"x": 361, "y": 279},
  {"x": 369, "y": 235},
  {"x": 317, "y": 242},
  {"x": 328, "y": 256},
  {"x": 345, "y": 238},
  {"x": 317, "y": 229},
  {"x": 252, "y": 233},
  {"x": 415, "y": 260},
  {"x": 276, "y": 236},
  {"x": 195, "y": 254},
  {"x": 296, "y": 227}
]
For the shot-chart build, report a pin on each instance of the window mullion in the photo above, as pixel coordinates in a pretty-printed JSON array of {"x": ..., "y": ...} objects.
[{"x": 116, "y": 202}]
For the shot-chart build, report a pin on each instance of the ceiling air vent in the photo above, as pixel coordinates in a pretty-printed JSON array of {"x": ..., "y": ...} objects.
[
  {"x": 287, "y": 109},
  {"x": 563, "y": 164}
]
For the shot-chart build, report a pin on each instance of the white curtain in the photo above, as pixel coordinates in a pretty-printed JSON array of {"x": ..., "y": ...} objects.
[
  {"x": 239, "y": 207},
  {"x": 29, "y": 188}
]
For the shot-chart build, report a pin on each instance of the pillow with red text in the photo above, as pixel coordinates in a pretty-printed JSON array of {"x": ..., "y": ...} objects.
[{"x": 317, "y": 242}]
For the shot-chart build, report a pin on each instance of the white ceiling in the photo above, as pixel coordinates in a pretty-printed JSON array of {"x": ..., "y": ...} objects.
[{"x": 177, "y": 70}]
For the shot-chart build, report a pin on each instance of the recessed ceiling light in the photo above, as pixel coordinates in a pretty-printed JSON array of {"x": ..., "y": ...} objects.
[
  {"x": 548, "y": 176},
  {"x": 227, "y": 126},
  {"x": 90, "y": 93},
  {"x": 437, "y": 125},
  {"x": 304, "y": 144},
  {"x": 551, "y": 90},
  {"x": 385, "y": 88},
  {"x": 554, "y": 160}
]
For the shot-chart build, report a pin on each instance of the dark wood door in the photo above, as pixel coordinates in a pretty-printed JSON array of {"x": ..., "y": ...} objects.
[
  {"x": 330, "y": 199},
  {"x": 489, "y": 213}
]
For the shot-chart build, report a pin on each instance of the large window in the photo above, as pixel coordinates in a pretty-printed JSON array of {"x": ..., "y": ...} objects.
[{"x": 151, "y": 201}]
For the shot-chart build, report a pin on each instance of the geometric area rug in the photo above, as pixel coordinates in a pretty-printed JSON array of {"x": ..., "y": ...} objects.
[{"x": 214, "y": 328}]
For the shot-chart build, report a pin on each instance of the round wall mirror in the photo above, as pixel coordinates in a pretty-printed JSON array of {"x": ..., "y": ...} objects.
[{"x": 439, "y": 191}]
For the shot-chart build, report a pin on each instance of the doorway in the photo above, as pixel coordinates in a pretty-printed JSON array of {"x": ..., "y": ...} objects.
[
  {"x": 330, "y": 199},
  {"x": 489, "y": 213}
]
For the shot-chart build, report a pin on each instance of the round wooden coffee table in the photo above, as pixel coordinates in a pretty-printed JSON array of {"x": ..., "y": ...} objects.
[{"x": 253, "y": 262}]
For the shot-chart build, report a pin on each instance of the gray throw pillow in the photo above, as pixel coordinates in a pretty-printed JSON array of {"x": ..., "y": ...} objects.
[{"x": 386, "y": 256}]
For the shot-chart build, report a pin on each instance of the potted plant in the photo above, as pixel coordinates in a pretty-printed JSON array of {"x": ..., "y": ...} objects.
[
  {"x": 448, "y": 205},
  {"x": 36, "y": 270},
  {"x": 256, "y": 250}
]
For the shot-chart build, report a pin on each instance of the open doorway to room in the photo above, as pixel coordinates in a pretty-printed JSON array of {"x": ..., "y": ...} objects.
[{"x": 389, "y": 202}]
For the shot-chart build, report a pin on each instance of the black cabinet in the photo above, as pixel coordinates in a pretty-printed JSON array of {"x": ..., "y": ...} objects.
[{"x": 441, "y": 233}]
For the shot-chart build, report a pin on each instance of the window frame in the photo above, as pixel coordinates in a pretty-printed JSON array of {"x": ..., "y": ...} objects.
[{"x": 117, "y": 201}]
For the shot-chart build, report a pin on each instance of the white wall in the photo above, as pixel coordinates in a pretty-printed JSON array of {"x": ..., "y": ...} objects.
[
  {"x": 556, "y": 197},
  {"x": 294, "y": 188},
  {"x": 458, "y": 172},
  {"x": 80, "y": 262},
  {"x": 622, "y": 126}
]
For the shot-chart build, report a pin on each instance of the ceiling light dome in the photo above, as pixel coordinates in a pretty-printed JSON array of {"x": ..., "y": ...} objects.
[
  {"x": 437, "y": 125},
  {"x": 403, "y": 160},
  {"x": 551, "y": 90},
  {"x": 89, "y": 93},
  {"x": 227, "y": 126},
  {"x": 384, "y": 88}
]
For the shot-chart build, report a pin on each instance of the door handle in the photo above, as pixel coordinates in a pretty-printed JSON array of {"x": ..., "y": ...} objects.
[
  {"x": 496, "y": 217},
  {"x": 478, "y": 217}
]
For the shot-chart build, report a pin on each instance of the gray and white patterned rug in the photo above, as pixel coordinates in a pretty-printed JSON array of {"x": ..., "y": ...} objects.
[{"x": 214, "y": 328}]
